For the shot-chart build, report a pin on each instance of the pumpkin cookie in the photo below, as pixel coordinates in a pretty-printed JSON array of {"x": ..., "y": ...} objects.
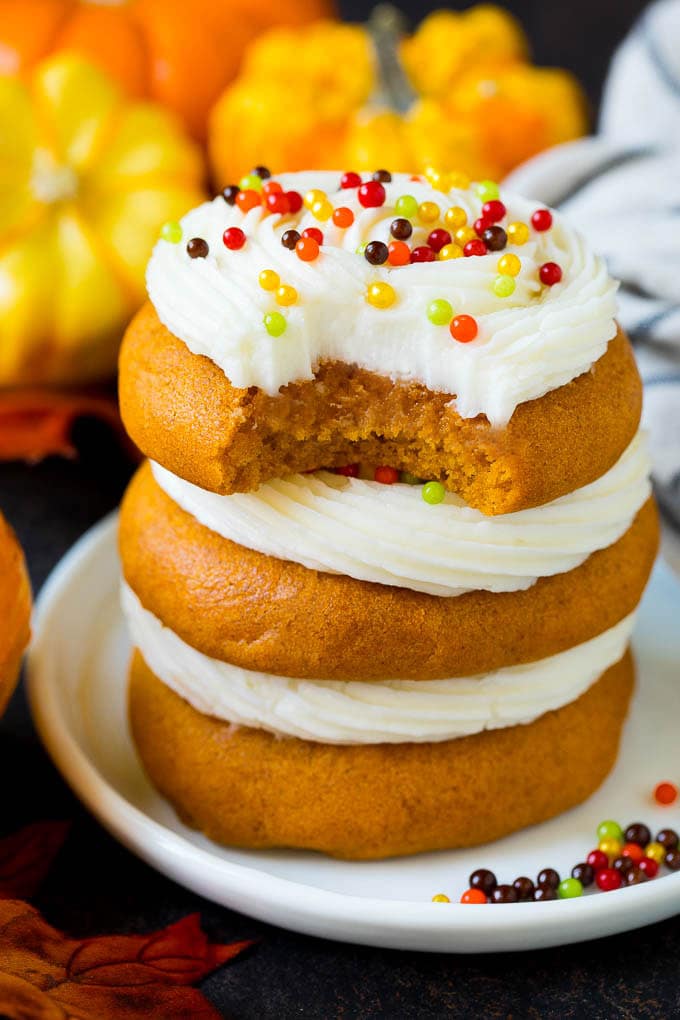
[
  {"x": 279, "y": 617},
  {"x": 245, "y": 787},
  {"x": 15, "y": 611}
]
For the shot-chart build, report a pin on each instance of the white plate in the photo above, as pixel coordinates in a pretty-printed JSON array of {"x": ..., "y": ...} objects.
[{"x": 77, "y": 681}]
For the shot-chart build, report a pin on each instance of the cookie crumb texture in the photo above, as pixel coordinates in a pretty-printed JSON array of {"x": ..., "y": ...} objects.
[
  {"x": 244, "y": 787},
  {"x": 182, "y": 411}
]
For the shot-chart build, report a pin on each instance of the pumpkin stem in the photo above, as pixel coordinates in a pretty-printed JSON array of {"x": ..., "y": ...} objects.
[
  {"x": 52, "y": 181},
  {"x": 386, "y": 26}
]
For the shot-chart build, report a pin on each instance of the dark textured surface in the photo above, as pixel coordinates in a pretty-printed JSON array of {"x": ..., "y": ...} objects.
[{"x": 98, "y": 886}]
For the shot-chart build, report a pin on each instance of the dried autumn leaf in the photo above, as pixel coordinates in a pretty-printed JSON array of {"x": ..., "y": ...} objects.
[
  {"x": 47, "y": 976},
  {"x": 26, "y": 857},
  {"x": 37, "y": 423}
]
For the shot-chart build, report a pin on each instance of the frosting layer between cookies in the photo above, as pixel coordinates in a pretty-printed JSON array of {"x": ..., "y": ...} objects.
[
  {"x": 388, "y": 535},
  {"x": 535, "y": 340},
  {"x": 388, "y": 711}
]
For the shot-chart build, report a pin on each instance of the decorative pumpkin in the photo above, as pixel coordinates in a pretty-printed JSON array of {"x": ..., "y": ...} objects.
[
  {"x": 179, "y": 53},
  {"x": 86, "y": 180},
  {"x": 477, "y": 104},
  {"x": 294, "y": 120}
]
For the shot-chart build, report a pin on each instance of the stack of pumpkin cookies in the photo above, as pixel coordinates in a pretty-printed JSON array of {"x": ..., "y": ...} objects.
[{"x": 382, "y": 566}]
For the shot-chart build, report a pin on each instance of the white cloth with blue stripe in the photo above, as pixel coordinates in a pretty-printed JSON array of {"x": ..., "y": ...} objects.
[{"x": 621, "y": 188}]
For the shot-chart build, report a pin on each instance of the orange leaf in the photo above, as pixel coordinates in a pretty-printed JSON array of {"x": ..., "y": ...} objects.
[
  {"x": 26, "y": 856},
  {"x": 46, "y": 975},
  {"x": 38, "y": 423}
]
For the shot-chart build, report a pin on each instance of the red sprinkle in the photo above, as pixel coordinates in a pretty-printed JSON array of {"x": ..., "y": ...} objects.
[
  {"x": 649, "y": 866},
  {"x": 474, "y": 896},
  {"x": 597, "y": 860},
  {"x": 481, "y": 225},
  {"x": 343, "y": 217},
  {"x": 493, "y": 211},
  {"x": 270, "y": 187},
  {"x": 307, "y": 249},
  {"x": 666, "y": 793},
  {"x": 350, "y": 180},
  {"x": 386, "y": 475},
  {"x": 542, "y": 219},
  {"x": 315, "y": 233},
  {"x": 372, "y": 194},
  {"x": 294, "y": 201},
  {"x": 349, "y": 470},
  {"x": 233, "y": 238},
  {"x": 608, "y": 879},
  {"x": 550, "y": 273},
  {"x": 423, "y": 253},
  {"x": 398, "y": 253},
  {"x": 463, "y": 328},
  {"x": 277, "y": 202},
  {"x": 248, "y": 199},
  {"x": 438, "y": 238},
  {"x": 474, "y": 247}
]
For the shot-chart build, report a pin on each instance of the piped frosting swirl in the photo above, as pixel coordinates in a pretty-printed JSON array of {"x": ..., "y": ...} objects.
[{"x": 389, "y": 535}]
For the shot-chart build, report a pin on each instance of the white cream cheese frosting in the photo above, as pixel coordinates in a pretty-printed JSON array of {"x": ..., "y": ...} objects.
[
  {"x": 389, "y": 535},
  {"x": 534, "y": 341},
  {"x": 387, "y": 711}
]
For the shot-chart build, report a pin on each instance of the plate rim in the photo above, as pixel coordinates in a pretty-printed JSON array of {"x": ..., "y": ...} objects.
[{"x": 406, "y": 924}]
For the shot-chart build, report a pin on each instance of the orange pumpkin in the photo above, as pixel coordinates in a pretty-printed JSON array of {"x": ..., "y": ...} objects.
[
  {"x": 479, "y": 105},
  {"x": 87, "y": 178},
  {"x": 177, "y": 52}
]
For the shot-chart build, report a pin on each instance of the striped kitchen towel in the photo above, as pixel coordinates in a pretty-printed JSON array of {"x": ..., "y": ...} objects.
[{"x": 621, "y": 188}]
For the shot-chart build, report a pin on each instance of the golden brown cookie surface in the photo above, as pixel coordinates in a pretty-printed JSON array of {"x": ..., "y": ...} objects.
[
  {"x": 245, "y": 787},
  {"x": 279, "y": 617},
  {"x": 182, "y": 411},
  {"x": 15, "y": 611}
]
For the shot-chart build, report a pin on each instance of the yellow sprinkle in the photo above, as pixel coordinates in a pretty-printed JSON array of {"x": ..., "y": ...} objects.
[
  {"x": 322, "y": 209},
  {"x": 611, "y": 847},
  {"x": 286, "y": 295},
  {"x": 428, "y": 212},
  {"x": 518, "y": 233},
  {"x": 463, "y": 235},
  {"x": 450, "y": 251},
  {"x": 656, "y": 851},
  {"x": 457, "y": 179},
  {"x": 441, "y": 898},
  {"x": 439, "y": 181},
  {"x": 509, "y": 265},
  {"x": 455, "y": 217},
  {"x": 313, "y": 196},
  {"x": 380, "y": 295},
  {"x": 268, "y": 279}
]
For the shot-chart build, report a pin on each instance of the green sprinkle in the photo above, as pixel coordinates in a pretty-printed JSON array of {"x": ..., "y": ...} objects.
[
  {"x": 504, "y": 286},
  {"x": 408, "y": 479},
  {"x": 172, "y": 232},
  {"x": 569, "y": 889},
  {"x": 433, "y": 492},
  {"x": 610, "y": 830},
  {"x": 406, "y": 206},
  {"x": 275, "y": 323},
  {"x": 439, "y": 312},
  {"x": 362, "y": 248},
  {"x": 251, "y": 182},
  {"x": 487, "y": 191}
]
